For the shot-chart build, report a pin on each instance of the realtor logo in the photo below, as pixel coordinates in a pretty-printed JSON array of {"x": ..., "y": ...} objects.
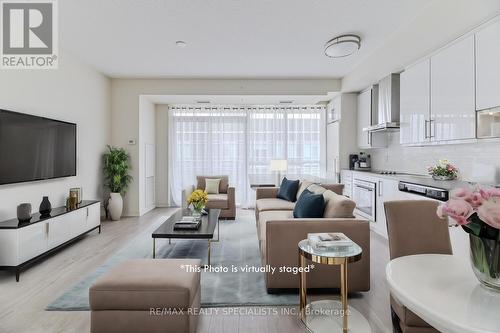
[{"x": 29, "y": 34}]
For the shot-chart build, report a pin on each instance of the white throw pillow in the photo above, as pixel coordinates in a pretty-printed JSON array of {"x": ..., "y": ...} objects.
[{"x": 212, "y": 185}]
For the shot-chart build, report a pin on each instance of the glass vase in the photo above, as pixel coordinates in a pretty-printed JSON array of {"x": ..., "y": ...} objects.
[
  {"x": 197, "y": 211},
  {"x": 485, "y": 260}
]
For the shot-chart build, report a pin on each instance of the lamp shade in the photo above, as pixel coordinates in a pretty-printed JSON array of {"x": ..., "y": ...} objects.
[{"x": 278, "y": 165}]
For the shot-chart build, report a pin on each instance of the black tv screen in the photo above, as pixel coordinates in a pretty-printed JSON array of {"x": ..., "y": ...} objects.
[{"x": 35, "y": 148}]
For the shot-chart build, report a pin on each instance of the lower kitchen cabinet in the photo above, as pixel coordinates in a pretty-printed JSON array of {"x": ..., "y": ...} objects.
[{"x": 387, "y": 190}]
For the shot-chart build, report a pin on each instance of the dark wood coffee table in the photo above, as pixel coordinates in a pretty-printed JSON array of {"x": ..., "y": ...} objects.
[{"x": 205, "y": 231}]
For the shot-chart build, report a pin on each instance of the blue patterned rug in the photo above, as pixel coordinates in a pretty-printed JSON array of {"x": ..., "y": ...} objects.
[{"x": 238, "y": 246}]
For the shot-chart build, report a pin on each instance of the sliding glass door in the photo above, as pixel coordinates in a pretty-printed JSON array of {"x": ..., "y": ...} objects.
[{"x": 239, "y": 141}]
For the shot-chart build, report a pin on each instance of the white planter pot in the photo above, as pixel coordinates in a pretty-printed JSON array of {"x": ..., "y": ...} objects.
[{"x": 115, "y": 206}]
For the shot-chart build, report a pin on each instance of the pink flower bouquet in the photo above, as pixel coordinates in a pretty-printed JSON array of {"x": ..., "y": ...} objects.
[
  {"x": 478, "y": 212},
  {"x": 473, "y": 209}
]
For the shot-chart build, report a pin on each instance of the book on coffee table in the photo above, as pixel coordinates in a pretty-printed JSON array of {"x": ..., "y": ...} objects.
[
  {"x": 334, "y": 241},
  {"x": 187, "y": 222}
]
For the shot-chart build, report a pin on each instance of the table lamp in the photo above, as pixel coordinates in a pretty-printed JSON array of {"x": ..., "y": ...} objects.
[{"x": 278, "y": 166}]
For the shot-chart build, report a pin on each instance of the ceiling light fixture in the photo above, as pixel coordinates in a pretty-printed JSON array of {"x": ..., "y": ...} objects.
[
  {"x": 203, "y": 102},
  {"x": 286, "y": 102},
  {"x": 180, "y": 43},
  {"x": 342, "y": 46}
]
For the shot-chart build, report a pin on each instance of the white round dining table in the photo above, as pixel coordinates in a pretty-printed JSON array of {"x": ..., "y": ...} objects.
[{"x": 443, "y": 291}]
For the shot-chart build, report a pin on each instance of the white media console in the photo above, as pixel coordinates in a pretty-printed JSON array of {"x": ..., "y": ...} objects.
[{"x": 22, "y": 243}]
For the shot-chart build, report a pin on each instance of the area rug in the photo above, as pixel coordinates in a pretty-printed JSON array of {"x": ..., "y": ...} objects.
[{"x": 238, "y": 246}]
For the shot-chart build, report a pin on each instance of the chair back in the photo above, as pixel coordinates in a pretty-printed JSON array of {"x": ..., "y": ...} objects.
[
  {"x": 413, "y": 227},
  {"x": 223, "y": 185}
]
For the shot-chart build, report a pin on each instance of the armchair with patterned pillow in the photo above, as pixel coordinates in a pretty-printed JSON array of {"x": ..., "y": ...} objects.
[{"x": 221, "y": 196}]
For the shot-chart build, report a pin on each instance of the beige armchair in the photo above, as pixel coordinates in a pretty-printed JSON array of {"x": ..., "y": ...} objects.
[{"x": 225, "y": 200}]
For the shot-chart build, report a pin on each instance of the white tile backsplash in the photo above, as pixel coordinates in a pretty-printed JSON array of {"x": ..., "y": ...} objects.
[{"x": 478, "y": 162}]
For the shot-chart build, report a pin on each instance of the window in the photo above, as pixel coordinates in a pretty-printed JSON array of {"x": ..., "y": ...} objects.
[{"x": 241, "y": 141}]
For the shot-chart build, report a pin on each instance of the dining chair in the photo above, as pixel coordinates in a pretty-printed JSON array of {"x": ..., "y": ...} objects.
[{"x": 413, "y": 227}]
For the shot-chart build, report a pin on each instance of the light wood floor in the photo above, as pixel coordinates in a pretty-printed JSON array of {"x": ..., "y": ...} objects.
[{"x": 22, "y": 304}]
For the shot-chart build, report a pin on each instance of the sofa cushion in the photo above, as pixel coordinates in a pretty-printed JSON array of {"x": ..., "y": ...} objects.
[
  {"x": 288, "y": 190},
  {"x": 270, "y": 215},
  {"x": 141, "y": 284},
  {"x": 338, "y": 205},
  {"x": 212, "y": 185},
  {"x": 217, "y": 201},
  {"x": 273, "y": 204},
  {"x": 316, "y": 189},
  {"x": 309, "y": 205},
  {"x": 303, "y": 185},
  {"x": 223, "y": 185}
]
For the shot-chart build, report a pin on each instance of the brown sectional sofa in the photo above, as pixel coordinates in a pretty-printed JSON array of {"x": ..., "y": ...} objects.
[{"x": 279, "y": 233}]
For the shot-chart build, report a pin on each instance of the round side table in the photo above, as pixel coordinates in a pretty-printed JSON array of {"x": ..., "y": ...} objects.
[{"x": 320, "y": 316}]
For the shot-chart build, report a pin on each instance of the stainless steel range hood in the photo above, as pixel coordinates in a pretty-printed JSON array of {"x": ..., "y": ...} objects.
[{"x": 387, "y": 117}]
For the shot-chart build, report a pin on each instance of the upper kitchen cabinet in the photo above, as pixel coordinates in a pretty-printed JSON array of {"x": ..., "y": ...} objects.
[
  {"x": 364, "y": 118},
  {"x": 453, "y": 93},
  {"x": 367, "y": 110},
  {"x": 415, "y": 104},
  {"x": 488, "y": 67}
]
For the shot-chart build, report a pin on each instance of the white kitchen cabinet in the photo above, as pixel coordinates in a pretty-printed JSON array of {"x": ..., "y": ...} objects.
[
  {"x": 488, "y": 67},
  {"x": 387, "y": 190},
  {"x": 364, "y": 118},
  {"x": 367, "y": 108},
  {"x": 453, "y": 92},
  {"x": 333, "y": 110},
  {"x": 346, "y": 179},
  {"x": 415, "y": 104},
  {"x": 333, "y": 157},
  {"x": 341, "y": 135}
]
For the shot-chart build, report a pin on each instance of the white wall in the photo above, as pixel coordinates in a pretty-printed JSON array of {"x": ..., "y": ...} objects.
[
  {"x": 471, "y": 159},
  {"x": 74, "y": 93},
  {"x": 126, "y": 93},
  {"x": 162, "y": 171}
]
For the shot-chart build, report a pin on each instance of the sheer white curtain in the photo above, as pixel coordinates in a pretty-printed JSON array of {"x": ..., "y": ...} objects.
[
  {"x": 239, "y": 141},
  {"x": 207, "y": 141}
]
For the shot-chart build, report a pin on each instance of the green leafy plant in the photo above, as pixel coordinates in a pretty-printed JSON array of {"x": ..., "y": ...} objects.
[{"x": 116, "y": 168}]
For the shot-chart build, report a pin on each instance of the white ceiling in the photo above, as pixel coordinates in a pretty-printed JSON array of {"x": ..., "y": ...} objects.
[{"x": 226, "y": 38}]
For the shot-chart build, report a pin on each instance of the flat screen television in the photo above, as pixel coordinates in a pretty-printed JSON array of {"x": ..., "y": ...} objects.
[{"x": 35, "y": 148}]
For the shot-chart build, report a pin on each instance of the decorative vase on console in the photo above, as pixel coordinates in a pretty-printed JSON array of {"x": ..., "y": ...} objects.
[
  {"x": 477, "y": 211},
  {"x": 45, "y": 207},
  {"x": 24, "y": 212}
]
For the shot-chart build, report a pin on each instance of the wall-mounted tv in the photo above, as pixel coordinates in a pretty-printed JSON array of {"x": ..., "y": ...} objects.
[{"x": 35, "y": 148}]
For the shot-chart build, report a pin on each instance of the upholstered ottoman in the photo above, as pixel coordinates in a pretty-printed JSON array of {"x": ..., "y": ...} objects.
[{"x": 146, "y": 295}]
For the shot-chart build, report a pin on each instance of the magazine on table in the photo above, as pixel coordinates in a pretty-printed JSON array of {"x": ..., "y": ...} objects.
[
  {"x": 187, "y": 222},
  {"x": 334, "y": 241}
]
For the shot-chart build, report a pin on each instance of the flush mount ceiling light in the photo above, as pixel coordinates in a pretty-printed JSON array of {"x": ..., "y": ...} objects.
[
  {"x": 342, "y": 46},
  {"x": 180, "y": 43}
]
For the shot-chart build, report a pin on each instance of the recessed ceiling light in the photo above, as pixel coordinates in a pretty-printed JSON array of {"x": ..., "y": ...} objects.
[
  {"x": 180, "y": 43},
  {"x": 342, "y": 46}
]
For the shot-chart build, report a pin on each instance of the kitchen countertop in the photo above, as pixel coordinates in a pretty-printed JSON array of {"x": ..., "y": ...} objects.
[{"x": 417, "y": 179}]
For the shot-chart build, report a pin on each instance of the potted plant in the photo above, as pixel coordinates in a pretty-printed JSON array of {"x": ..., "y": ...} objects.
[
  {"x": 477, "y": 211},
  {"x": 117, "y": 179},
  {"x": 198, "y": 199},
  {"x": 443, "y": 170}
]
